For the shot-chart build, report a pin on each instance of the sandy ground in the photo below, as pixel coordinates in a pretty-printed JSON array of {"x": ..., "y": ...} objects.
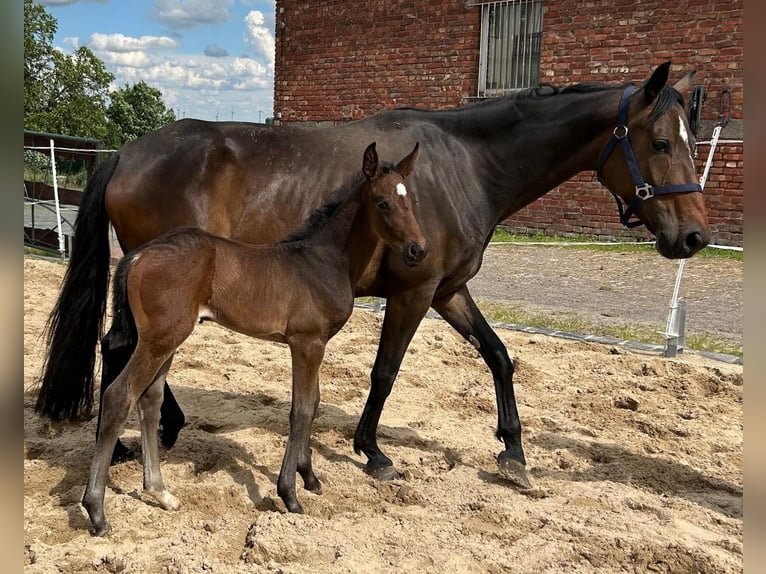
[{"x": 636, "y": 462}]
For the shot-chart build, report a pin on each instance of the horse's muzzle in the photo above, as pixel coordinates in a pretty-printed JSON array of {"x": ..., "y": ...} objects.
[
  {"x": 685, "y": 246},
  {"x": 415, "y": 253}
]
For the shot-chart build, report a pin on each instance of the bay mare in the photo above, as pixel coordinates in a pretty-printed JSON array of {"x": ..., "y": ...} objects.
[
  {"x": 299, "y": 291},
  {"x": 480, "y": 164}
]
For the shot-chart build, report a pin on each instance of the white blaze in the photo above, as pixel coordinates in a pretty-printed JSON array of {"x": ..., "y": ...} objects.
[
  {"x": 684, "y": 136},
  {"x": 401, "y": 190}
]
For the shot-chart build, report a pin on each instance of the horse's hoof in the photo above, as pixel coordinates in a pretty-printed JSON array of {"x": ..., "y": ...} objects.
[
  {"x": 512, "y": 470},
  {"x": 122, "y": 454},
  {"x": 101, "y": 530},
  {"x": 383, "y": 473},
  {"x": 313, "y": 486},
  {"x": 168, "y": 437},
  {"x": 294, "y": 507}
]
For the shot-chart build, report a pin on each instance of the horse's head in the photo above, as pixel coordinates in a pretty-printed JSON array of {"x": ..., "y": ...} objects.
[
  {"x": 391, "y": 205},
  {"x": 658, "y": 184}
]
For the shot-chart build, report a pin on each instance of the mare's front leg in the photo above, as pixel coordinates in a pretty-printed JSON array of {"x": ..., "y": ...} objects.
[
  {"x": 460, "y": 311},
  {"x": 307, "y": 354},
  {"x": 149, "y": 413},
  {"x": 115, "y": 353},
  {"x": 403, "y": 314}
]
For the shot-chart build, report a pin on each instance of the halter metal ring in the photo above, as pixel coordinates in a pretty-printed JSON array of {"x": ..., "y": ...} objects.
[
  {"x": 620, "y": 132},
  {"x": 644, "y": 191}
]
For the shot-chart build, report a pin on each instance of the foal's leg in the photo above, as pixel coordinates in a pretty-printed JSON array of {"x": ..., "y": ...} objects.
[
  {"x": 460, "y": 311},
  {"x": 149, "y": 413},
  {"x": 307, "y": 354},
  {"x": 402, "y": 316},
  {"x": 115, "y": 354},
  {"x": 118, "y": 400}
]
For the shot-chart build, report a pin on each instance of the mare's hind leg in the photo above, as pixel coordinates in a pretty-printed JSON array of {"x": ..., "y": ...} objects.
[
  {"x": 115, "y": 354},
  {"x": 118, "y": 400},
  {"x": 149, "y": 413},
  {"x": 460, "y": 311},
  {"x": 307, "y": 354},
  {"x": 402, "y": 317}
]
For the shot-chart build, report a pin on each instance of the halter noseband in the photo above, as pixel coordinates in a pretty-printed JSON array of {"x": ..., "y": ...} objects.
[{"x": 644, "y": 190}]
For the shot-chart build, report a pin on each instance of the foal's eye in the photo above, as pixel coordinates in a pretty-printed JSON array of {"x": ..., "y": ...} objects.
[
  {"x": 661, "y": 146},
  {"x": 382, "y": 205}
]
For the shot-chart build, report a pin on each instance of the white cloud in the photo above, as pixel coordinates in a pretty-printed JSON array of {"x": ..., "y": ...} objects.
[
  {"x": 122, "y": 43},
  {"x": 73, "y": 41},
  {"x": 130, "y": 59},
  {"x": 186, "y": 14},
  {"x": 259, "y": 37}
]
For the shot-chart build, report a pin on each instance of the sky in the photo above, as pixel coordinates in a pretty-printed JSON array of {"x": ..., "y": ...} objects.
[{"x": 211, "y": 59}]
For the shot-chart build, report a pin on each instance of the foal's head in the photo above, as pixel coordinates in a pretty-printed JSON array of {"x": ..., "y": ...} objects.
[{"x": 390, "y": 205}]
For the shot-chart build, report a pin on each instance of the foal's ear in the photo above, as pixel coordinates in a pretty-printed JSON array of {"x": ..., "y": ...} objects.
[
  {"x": 406, "y": 166},
  {"x": 370, "y": 163},
  {"x": 656, "y": 82},
  {"x": 683, "y": 85}
]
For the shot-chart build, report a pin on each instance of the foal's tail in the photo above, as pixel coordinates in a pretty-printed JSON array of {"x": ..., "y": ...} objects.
[
  {"x": 75, "y": 324},
  {"x": 123, "y": 328}
]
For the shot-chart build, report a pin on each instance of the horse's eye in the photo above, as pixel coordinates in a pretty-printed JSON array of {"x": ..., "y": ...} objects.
[
  {"x": 382, "y": 205},
  {"x": 661, "y": 146}
]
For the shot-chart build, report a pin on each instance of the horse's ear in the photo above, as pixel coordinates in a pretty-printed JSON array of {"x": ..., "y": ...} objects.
[
  {"x": 370, "y": 163},
  {"x": 683, "y": 85},
  {"x": 406, "y": 166},
  {"x": 656, "y": 82}
]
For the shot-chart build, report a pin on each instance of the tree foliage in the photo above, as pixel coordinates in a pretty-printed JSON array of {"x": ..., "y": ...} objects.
[
  {"x": 134, "y": 111},
  {"x": 69, "y": 94},
  {"x": 39, "y": 29},
  {"x": 75, "y": 101}
]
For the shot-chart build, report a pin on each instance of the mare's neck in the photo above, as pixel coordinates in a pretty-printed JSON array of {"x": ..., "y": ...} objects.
[{"x": 527, "y": 146}]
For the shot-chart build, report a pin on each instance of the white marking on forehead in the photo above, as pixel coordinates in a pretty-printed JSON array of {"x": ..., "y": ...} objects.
[
  {"x": 682, "y": 131},
  {"x": 685, "y": 136},
  {"x": 401, "y": 190}
]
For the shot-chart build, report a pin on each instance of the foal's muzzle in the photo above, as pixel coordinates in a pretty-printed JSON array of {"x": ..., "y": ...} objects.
[{"x": 415, "y": 253}]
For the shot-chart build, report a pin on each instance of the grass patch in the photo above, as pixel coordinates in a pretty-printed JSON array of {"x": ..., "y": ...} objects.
[
  {"x": 572, "y": 322},
  {"x": 503, "y": 235}
]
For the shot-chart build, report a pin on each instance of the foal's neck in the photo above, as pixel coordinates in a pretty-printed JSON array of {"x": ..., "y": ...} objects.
[{"x": 348, "y": 238}]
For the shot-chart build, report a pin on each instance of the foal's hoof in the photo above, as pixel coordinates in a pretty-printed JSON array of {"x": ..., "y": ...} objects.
[
  {"x": 122, "y": 454},
  {"x": 382, "y": 473},
  {"x": 512, "y": 470},
  {"x": 166, "y": 500},
  {"x": 101, "y": 530}
]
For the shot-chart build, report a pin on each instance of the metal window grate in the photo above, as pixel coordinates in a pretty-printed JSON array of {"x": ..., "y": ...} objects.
[{"x": 511, "y": 34}]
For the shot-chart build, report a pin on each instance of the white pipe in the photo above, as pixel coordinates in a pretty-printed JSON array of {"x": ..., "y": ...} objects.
[{"x": 62, "y": 249}]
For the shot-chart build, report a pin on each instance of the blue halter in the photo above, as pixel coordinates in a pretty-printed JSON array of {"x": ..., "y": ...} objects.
[{"x": 644, "y": 190}]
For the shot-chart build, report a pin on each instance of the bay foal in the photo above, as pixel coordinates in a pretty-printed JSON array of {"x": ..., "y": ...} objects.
[{"x": 299, "y": 292}]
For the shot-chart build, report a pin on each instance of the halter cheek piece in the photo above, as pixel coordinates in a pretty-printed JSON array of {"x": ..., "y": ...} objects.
[{"x": 644, "y": 190}]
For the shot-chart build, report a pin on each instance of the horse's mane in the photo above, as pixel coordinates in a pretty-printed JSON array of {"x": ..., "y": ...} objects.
[
  {"x": 665, "y": 99},
  {"x": 320, "y": 216}
]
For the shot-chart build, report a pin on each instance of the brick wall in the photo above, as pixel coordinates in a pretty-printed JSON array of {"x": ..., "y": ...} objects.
[{"x": 338, "y": 61}]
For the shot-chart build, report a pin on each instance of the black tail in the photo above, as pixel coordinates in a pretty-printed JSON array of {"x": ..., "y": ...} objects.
[{"x": 76, "y": 322}]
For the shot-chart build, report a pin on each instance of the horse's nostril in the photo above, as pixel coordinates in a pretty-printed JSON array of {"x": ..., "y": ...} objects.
[
  {"x": 695, "y": 241},
  {"x": 416, "y": 252}
]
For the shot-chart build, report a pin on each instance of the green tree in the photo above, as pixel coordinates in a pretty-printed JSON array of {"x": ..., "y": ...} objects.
[
  {"x": 39, "y": 29},
  {"x": 134, "y": 111},
  {"x": 75, "y": 100}
]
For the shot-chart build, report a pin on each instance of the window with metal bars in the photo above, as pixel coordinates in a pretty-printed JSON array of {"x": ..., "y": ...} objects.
[{"x": 511, "y": 34}]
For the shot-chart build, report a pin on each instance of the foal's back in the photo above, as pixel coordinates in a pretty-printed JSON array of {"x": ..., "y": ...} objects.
[{"x": 263, "y": 291}]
